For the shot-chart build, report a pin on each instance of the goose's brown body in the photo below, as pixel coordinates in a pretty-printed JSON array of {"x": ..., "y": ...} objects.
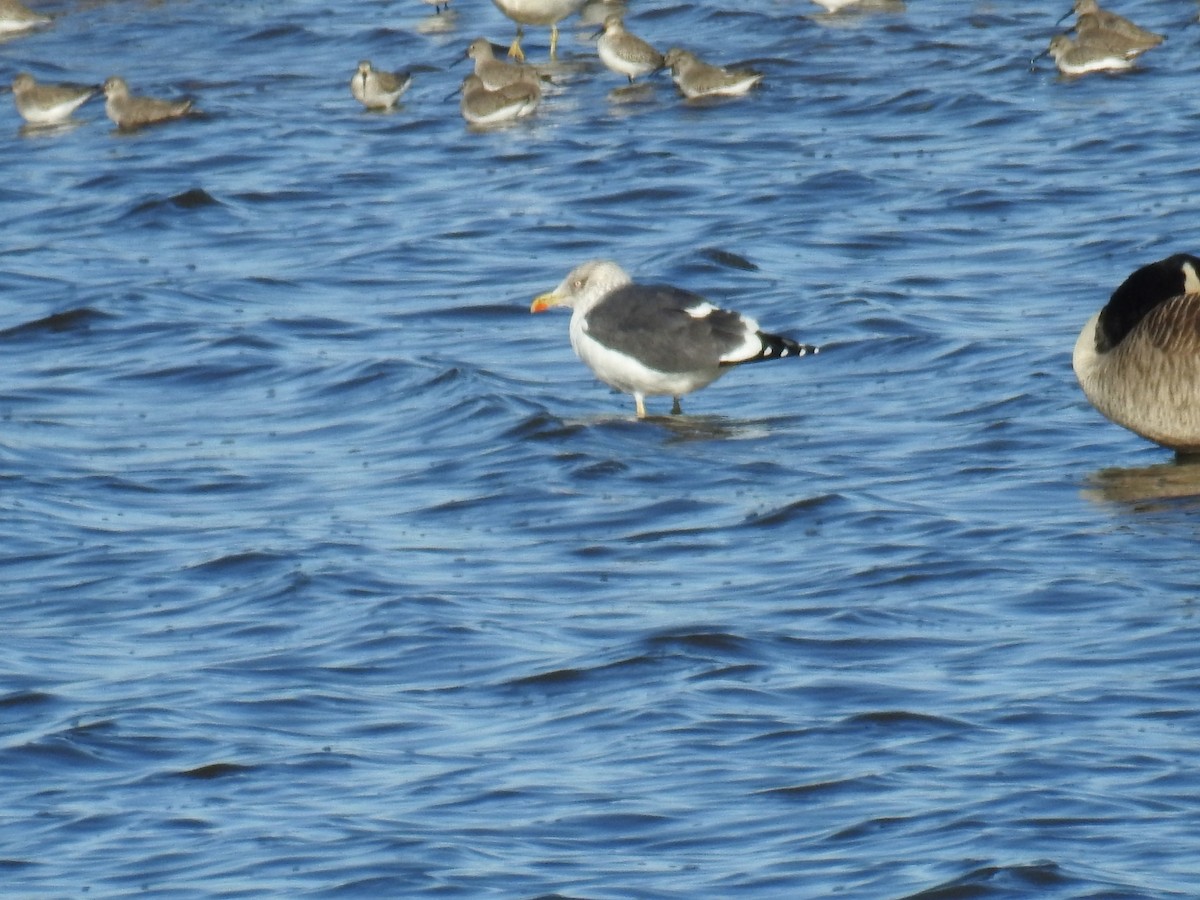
[{"x": 1138, "y": 359}]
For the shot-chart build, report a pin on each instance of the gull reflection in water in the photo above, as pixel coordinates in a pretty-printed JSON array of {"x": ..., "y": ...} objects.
[
  {"x": 673, "y": 429},
  {"x": 442, "y": 22}
]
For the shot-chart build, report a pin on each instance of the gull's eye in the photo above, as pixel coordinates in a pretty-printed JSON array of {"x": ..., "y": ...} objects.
[{"x": 579, "y": 282}]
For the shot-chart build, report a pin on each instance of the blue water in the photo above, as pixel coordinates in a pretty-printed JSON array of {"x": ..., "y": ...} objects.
[{"x": 330, "y": 571}]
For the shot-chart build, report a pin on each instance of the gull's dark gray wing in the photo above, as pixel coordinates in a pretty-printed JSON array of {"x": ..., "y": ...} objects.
[{"x": 674, "y": 330}]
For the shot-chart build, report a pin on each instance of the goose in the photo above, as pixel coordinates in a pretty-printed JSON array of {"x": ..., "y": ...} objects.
[{"x": 1138, "y": 359}]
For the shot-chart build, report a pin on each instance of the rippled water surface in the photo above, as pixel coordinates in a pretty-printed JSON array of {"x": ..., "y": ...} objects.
[{"x": 330, "y": 571}]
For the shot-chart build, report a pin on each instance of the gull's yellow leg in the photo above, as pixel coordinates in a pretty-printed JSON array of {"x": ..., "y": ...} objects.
[{"x": 514, "y": 49}]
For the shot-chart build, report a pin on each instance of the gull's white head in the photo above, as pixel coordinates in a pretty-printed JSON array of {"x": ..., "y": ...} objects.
[{"x": 585, "y": 286}]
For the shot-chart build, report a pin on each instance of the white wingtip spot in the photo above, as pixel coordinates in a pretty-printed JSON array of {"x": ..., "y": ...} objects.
[{"x": 701, "y": 310}]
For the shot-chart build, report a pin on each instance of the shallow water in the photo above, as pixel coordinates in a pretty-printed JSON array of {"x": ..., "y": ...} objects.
[{"x": 330, "y": 571}]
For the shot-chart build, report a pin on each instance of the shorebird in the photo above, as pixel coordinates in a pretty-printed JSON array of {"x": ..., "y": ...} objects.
[
  {"x": 696, "y": 78},
  {"x": 482, "y": 107},
  {"x": 378, "y": 90},
  {"x": 49, "y": 104},
  {"x": 16, "y": 17},
  {"x": 1138, "y": 359},
  {"x": 626, "y": 53},
  {"x": 129, "y": 111},
  {"x": 1088, "y": 27},
  {"x": 656, "y": 340},
  {"x": 1080, "y": 57},
  {"x": 1097, "y": 23},
  {"x": 498, "y": 73}
]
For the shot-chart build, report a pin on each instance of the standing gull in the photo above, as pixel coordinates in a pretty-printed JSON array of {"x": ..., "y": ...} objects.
[
  {"x": 536, "y": 12},
  {"x": 482, "y": 107},
  {"x": 16, "y": 17},
  {"x": 378, "y": 90},
  {"x": 49, "y": 104},
  {"x": 594, "y": 12},
  {"x": 696, "y": 78},
  {"x": 129, "y": 111},
  {"x": 497, "y": 73},
  {"x": 626, "y": 53},
  {"x": 1138, "y": 359},
  {"x": 656, "y": 340}
]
